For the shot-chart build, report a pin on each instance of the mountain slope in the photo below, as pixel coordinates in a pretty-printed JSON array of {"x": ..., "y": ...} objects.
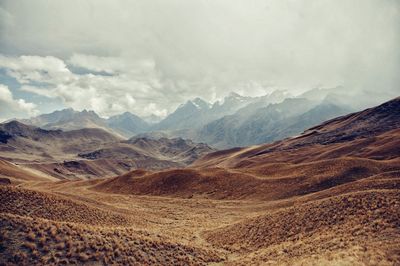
[
  {"x": 41, "y": 144},
  {"x": 196, "y": 113},
  {"x": 91, "y": 152},
  {"x": 341, "y": 230},
  {"x": 69, "y": 119},
  {"x": 127, "y": 124},
  {"x": 188, "y": 115},
  {"x": 255, "y": 125},
  {"x": 372, "y": 133},
  {"x": 13, "y": 174}
]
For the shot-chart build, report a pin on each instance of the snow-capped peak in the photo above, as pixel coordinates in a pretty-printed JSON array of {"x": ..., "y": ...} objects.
[{"x": 200, "y": 103}]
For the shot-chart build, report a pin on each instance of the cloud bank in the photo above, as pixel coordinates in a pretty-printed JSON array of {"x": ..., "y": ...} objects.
[
  {"x": 149, "y": 56},
  {"x": 10, "y": 107}
]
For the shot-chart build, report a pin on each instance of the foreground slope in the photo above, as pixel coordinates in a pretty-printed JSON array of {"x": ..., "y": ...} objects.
[
  {"x": 51, "y": 229},
  {"x": 351, "y": 229}
]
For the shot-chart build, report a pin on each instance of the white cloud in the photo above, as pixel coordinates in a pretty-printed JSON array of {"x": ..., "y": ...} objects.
[
  {"x": 112, "y": 65},
  {"x": 14, "y": 108},
  {"x": 130, "y": 86},
  {"x": 26, "y": 69},
  {"x": 160, "y": 53}
]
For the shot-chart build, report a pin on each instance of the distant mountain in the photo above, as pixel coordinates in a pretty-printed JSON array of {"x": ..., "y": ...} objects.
[
  {"x": 252, "y": 125},
  {"x": 234, "y": 121},
  {"x": 196, "y": 113},
  {"x": 124, "y": 125},
  {"x": 69, "y": 119},
  {"x": 344, "y": 96},
  {"x": 127, "y": 124},
  {"x": 187, "y": 115},
  {"x": 367, "y": 123},
  {"x": 152, "y": 119},
  {"x": 51, "y": 118},
  {"x": 318, "y": 94},
  {"x": 371, "y": 134},
  {"x": 229, "y": 105}
]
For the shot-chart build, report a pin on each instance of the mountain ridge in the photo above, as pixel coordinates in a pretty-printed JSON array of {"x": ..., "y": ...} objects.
[{"x": 91, "y": 152}]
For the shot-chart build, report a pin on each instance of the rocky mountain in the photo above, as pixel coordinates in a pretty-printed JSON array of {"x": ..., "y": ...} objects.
[
  {"x": 234, "y": 121},
  {"x": 229, "y": 105},
  {"x": 127, "y": 124},
  {"x": 254, "y": 125},
  {"x": 69, "y": 119},
  {"x": 196, "y": 113},
  {"x": 188, "y": 120},
  {"x": 372, "y": 133},
  {"x": 185, "y": 116},
  {"x": 124, "y": 125}
]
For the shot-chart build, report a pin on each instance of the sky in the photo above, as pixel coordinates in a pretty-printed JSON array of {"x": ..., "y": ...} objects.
[{"x": 149, "y": 56}]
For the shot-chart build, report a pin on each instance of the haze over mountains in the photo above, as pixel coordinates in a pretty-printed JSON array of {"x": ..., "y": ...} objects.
[{"x": 235, "y": 121}]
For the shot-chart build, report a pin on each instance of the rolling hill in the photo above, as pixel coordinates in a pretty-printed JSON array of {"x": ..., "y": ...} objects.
[{"x": 91, "y": 152}]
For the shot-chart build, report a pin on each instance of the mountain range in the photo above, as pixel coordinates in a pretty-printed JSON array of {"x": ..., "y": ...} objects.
[
  {"x": 122, "y": 125},
  {"x": 235, "y": 121}
]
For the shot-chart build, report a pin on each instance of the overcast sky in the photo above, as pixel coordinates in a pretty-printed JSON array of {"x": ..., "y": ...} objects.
[{"x": 149, "y": 56}]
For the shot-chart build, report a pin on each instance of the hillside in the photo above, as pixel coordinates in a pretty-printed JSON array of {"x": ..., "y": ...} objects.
[
  {"x": 372, "y": 133},
  {"x": 69, "y": 119},
  {"x": 91, "y": 152},
  {"x": 127, "y": 124},
  {"x": 40, "y": 144},
  {"x": 14, "y": 174},
  {"x": 54, "y": 229},
  {"x": 344, "y": 229}
]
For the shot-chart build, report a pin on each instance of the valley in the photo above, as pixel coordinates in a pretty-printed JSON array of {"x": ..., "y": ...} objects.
[{"x": 329, "y": 196}]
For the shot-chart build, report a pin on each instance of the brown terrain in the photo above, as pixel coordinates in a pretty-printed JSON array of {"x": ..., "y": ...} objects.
[
  {"x": 91, "y": 152},
  {"x": 330, "y": 196}
]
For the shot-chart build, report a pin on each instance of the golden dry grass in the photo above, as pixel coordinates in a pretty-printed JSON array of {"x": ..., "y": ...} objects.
[
  {"x": 32, "y": 203},
  {"x": 29, "y": 241}
]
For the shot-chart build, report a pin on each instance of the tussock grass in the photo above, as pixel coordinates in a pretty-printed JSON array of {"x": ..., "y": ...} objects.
[{"x": 79, "y": 244}]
